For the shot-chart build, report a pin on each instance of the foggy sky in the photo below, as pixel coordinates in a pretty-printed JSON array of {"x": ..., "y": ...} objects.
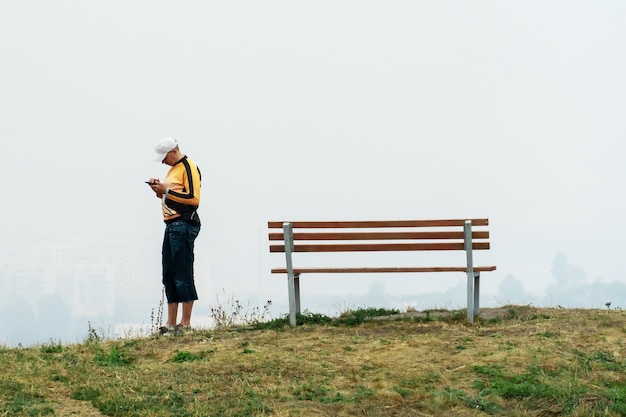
[{"x": 327, "y": 110}]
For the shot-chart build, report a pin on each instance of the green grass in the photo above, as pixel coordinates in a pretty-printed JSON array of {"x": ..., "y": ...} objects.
[{"x": 522, "y": 361}]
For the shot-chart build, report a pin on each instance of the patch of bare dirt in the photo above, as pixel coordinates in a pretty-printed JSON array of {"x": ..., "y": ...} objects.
[
  {"x": 68, "y": 407},
  {"x": 65, "y": 406}
]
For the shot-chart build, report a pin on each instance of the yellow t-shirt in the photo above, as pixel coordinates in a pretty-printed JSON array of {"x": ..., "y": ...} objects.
[{"x": 182, "y": 199}]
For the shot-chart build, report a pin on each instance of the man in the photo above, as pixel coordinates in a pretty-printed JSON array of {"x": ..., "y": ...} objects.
[{"x": 180, "y": 198}]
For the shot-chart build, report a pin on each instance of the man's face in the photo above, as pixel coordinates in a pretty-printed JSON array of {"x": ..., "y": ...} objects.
[{"x": 169, "y": 158}]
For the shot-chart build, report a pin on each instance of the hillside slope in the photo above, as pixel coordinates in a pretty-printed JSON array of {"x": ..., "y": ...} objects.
[{"x": 515, "y": 361}]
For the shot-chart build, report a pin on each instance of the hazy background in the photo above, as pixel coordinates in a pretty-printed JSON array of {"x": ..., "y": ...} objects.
[{"x": 324, "y": 110}]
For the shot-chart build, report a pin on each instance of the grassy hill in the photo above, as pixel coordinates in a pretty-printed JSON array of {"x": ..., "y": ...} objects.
[{"x": 515, "y": 361}]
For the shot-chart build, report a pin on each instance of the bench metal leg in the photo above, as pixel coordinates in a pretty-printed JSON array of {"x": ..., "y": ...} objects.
[
  {"x": 294, "y": 297},
  {"x": 296, "y": 287},
  {"x": 293, "y": 280},
  {"x": 470, "y": 298},
  {"x": 476, "y": 293},
  {"x": 471, "y": 295}
]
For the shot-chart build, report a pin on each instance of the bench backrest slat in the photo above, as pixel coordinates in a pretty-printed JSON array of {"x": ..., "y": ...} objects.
[
  {"x": 383, "y": 247},
  {"x": 377, "y": 224},
  {"x": 379, "y": 235},
  {"x": 407, "y": 234}
]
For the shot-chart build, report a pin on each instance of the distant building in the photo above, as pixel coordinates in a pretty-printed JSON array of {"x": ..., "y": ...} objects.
[{"x": 90, "y": 278}]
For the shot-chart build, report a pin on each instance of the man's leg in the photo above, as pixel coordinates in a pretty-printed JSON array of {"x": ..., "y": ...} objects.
[
  {"x": 187, "y": 307},
  {"x": 172, "y": 313},
  {"x": 168, "y": 278},
  {"x": 183, "y": 259}
]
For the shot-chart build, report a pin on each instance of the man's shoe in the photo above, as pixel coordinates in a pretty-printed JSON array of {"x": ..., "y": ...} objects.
[
  {"x": 168, "y": 330},
  {"x": 177, "y": 330}
]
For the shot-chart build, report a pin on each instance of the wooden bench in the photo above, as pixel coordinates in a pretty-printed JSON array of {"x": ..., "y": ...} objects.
[{"x": 380, "y": 236}]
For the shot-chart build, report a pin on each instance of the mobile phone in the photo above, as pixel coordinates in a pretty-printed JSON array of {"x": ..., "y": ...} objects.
[{"x": 150, "y": 183}]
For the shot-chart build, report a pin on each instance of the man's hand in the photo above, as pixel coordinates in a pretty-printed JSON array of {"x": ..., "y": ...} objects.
[{"x": 157, "y": 187}]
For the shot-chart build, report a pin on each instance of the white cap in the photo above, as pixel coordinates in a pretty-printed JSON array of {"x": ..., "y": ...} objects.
[{"x": 164, "y": 146}]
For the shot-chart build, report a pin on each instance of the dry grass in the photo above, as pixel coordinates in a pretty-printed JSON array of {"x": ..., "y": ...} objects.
[{"x": 516, "y": 361}]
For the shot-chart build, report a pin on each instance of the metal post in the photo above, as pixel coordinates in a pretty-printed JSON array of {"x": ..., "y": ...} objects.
[
  {"x": 288, "y": 237},
  {"x": 296, "y": 286},
  {"x": 476, "y": 293},
  {"x": 467, "y": 228}
]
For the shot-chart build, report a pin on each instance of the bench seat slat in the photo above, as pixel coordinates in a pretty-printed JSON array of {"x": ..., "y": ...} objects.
[
  {"x": 385, "y": 269},
  {"x": 382, "y": 247},
  {"x": 379, "y": 235},
  {"x": 377, "y": 223}
]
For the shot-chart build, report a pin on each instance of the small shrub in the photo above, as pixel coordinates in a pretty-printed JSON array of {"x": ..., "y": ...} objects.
[
  {"x": 361, "y": 315},
  {"x": 276, "y": 324},
  {"x": 41, "y": 411},
  {"x": 115, "y": 357},
  {"x": 59, "y": 378},
  {"x": 524, "y": 385},
  {"x": 185, "y": 356},
  {"x": 312, "y": 318},
  {"x": 85, "y": 394},
  {"x": 455, "y": 316},
  {"x": 512, "y": 313},
  {"x": 156, "y": 320},
  {"x": 479, "y": 403},
  {"x": 233, "y": 313},
  {"x": 310, "y": 391},
  {"x": 600, "y": 357},
  {"x": 52, "y": 347},
  {"x": 246, "y": 347},
  {"x": 404, "y": 393},
  {"x": 306, "y": 317},
  {"x": 93, "y": 336},
  {"x": 410, "y": 309}
]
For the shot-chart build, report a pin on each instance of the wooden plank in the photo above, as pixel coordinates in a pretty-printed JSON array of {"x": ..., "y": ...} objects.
[
  {"x": 379, "y": 235},
  {"x": 381, "y": 247},
  {"x": 385, "y": 269},
  {"x": 376, "y": 223}
]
